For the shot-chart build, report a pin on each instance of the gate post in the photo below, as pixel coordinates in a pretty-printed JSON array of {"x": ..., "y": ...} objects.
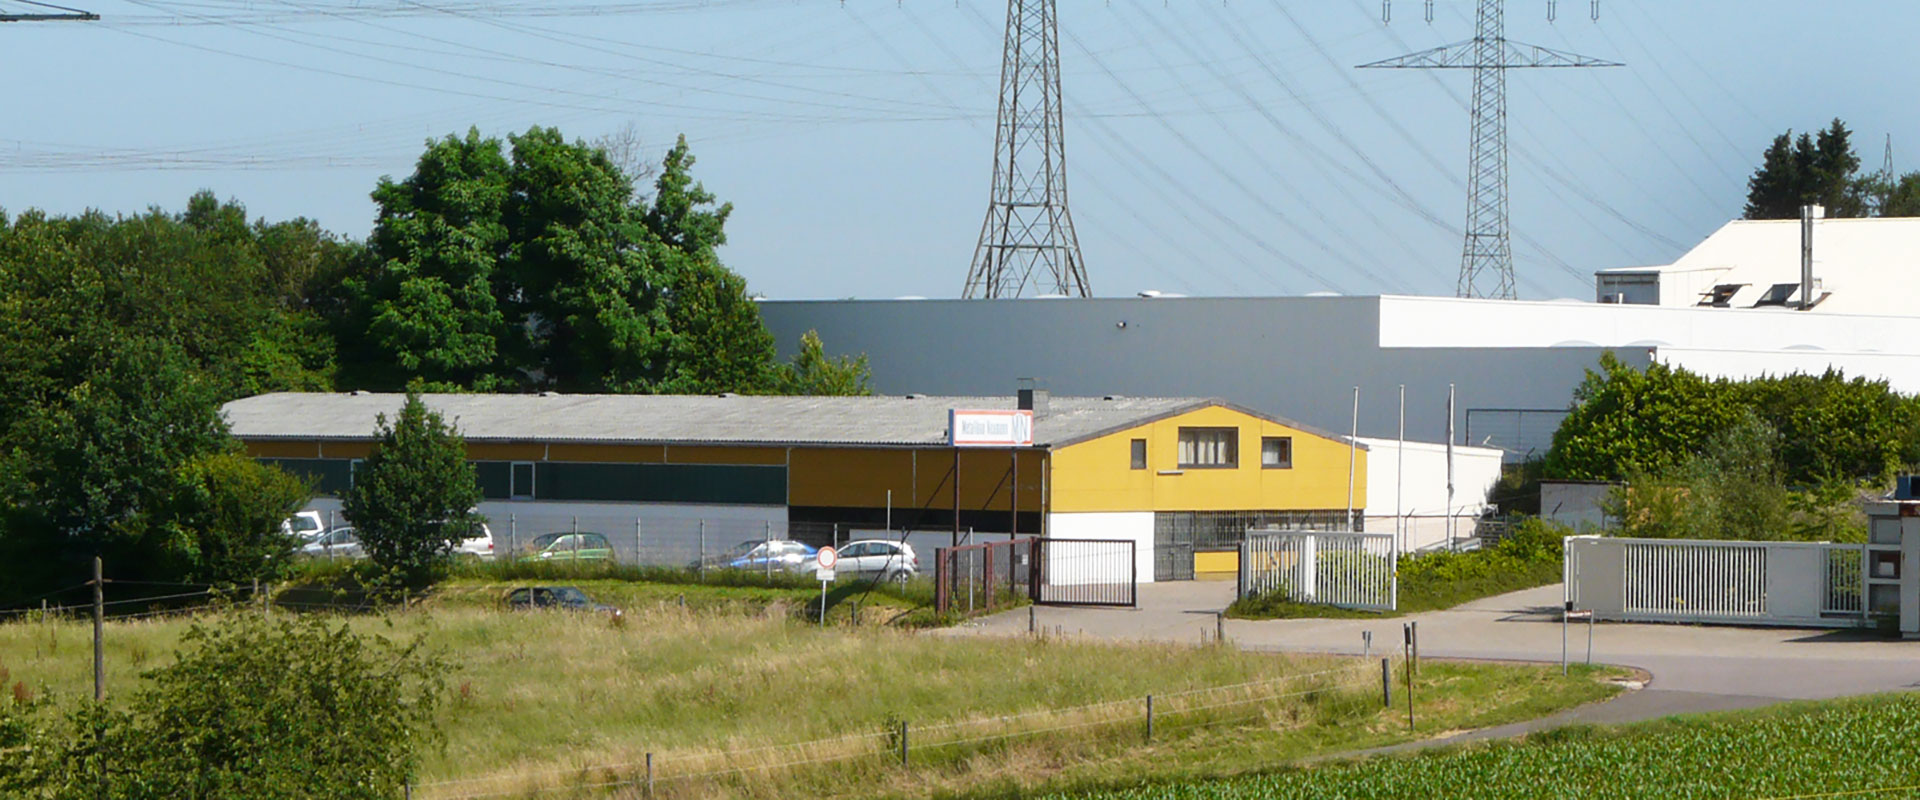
[
  {"x": 941, "y": 574},
  {"x": 1034, "y": 572}
]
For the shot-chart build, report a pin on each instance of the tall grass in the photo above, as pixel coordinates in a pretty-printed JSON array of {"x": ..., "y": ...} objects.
[{"x": 728, "y": 701}]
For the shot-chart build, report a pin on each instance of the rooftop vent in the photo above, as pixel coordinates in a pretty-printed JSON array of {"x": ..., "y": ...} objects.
[
  {"x": 1778, "y": 294},
  {"x": 1034, "y": 400}
]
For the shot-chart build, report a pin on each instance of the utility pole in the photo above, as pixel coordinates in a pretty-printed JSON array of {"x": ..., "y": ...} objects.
[
  {"x": 1028, "y": 229},
  {"x": 1486, "y": 261}
]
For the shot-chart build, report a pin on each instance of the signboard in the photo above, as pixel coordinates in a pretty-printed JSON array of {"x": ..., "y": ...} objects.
[
  {"x": 990, "y": 428},
  {"x": 826, "y": 559}
]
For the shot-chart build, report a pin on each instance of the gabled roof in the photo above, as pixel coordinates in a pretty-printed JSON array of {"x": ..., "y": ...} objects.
[
  {"x": 909, "y": 421},
  {"x": 1863, "y": 266}
]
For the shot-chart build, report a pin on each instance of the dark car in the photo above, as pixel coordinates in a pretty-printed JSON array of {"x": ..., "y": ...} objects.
[{"x": 567, "y": 597}]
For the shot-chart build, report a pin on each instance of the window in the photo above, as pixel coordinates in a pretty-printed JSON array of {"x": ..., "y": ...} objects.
[
  {"x": 1209, "y": 448},
  {"x": 353, "y": 470},
  {"x": 1139, "y": 454},
  {"x": 1778, "y": 294},
  {"x": 1276, "y": 452},
  {"x": 522, "y": 486}
]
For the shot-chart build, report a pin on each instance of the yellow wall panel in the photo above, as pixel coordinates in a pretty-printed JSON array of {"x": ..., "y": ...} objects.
[
  {"x": 764, "y": 456},
  {"x": 1227, "y": 562},
  {"x": 860, "y": 478},
  {"x": 604, "y": 453},
  {"x": 283, "y": 449},
  {"x": 483, "y": 451},
  {"x": 345, "y": 449},
  {"x": 1096, "y": 476}
]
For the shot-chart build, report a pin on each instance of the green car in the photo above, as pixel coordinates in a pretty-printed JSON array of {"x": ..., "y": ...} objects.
[{"x": 578, "y": 547}]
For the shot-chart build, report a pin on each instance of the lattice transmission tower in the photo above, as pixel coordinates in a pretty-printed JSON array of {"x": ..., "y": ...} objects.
[
  {"x": 1027, "y": 238},
  {"x": 1486, "y": 262}
]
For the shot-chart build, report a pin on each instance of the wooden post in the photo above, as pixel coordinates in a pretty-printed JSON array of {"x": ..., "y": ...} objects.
[
  {"x": 1386, "y": 685},
  {"x": 1407, "y": 644},
  {"x": 1149, "y": 719},
  {"x": 649, "y": 774},
  {"x": 903, "y": 737},
  {"x": 99, "y": 622}
]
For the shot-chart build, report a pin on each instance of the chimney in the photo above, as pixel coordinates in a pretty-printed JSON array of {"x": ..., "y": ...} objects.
[
  {"x": 1807, "y": 215},
  {"x": 1034, "y": 400}
]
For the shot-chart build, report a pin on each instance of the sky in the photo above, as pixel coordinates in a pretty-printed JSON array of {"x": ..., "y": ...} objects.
[{"x": 1221, "y": 148}]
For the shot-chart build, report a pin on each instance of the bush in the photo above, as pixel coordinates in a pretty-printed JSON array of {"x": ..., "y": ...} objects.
[{"x": 289, "y": 708}]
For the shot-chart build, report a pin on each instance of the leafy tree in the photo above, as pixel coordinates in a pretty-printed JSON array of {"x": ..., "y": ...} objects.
[
  {"x": 134, "y": 464},
  {"x": 288, "y": 707},
  {"x": 1734, "y": 488},
  {"x": 412, "y": 499},
  {"x": 1817, "y": 169},
  {"x": 533, "y": 265},
  {"x": 1897, "y": 197},
  {"x": 1626, "y": 421},
  {"x": 426, "y": 307},
  {"x": 814, "y": 373}
]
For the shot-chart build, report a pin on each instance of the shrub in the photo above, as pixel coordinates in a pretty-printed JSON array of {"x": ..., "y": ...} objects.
[{"x": 412, "y": 501}]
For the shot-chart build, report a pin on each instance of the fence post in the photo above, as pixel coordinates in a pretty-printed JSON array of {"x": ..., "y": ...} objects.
[
  {"x": 1033, "y": 628},
  {"x": 766, "y": 548},
  {"x": 1149, "y": 719},
  {"x": 1564, "y": 612},
  {"x": 1220, "y": 628},
  {"x": 1406, "y": 632},
  {"x": 408, "y": 790},
  {"x": 1413, "y": 631},
  {"x": 940, "y": 574},
  {"x": 99, "y": 622},
  {"x": 703, "y": 550},
  {"x": 1386, "y": 685},
  {"x": 637, "y": 559},
  {"x": 649, "y": 774},
  {"x": 1366, "y": 644},
  {"x": 903, "y": 744},
  {"x": 513, "y": 538}
]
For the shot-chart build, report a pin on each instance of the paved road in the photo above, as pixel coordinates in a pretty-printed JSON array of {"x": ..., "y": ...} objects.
[{"x": 1693, "y": 668}]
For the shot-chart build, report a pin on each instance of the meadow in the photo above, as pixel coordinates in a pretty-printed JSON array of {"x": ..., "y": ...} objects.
[{"x": 734, "y": 695}]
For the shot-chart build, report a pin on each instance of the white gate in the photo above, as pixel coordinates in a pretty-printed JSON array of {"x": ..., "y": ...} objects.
[
  {"x": 1350, "y": 570},
  {"x": 1690, "y": 580}
]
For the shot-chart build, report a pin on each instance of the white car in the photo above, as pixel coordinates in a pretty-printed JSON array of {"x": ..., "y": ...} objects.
[
  {"x": 892, "y": 561},
  {"x": 480, "y": 546},
  {"x": 305, "y": 526}
]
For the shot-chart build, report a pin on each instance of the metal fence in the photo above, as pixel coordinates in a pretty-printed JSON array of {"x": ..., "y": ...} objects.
[
  {"x": 1349, "y": 570},
  {"x": 1812, "y": 584},
  {"x": 984, "y": 577},
  {"x": 1087, "y": 572}
]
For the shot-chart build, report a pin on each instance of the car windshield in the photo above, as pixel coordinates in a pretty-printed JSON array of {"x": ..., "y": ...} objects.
[
  {"x": 745, "y": 548},
  {"x": 305, "y": 524},
  {"x": 571, "y": 596}
]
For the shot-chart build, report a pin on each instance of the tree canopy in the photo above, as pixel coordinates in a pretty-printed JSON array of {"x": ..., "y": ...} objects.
[
  {"x": 412, "y": 500},
  {"x": 1822, "y": 168}
]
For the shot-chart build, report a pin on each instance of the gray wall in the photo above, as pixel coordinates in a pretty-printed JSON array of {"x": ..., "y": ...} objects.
[{"x": 1293, "y": 357}]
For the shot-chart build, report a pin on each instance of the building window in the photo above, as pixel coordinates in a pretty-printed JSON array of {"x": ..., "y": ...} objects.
[
  {"x": 522, "y": 481},
  {"x": 1276, "y": 452},
  {"x": 1209, "y": 448},
  {"x": 1139, "y": 454},
  {"x": 353, "y": 471}
]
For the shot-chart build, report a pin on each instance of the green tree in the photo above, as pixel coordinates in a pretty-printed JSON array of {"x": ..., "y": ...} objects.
[
  {"x": 1817, "y": 169},
  {"x": 289, "y": 707},
  {"x": 813, "y": 372},
  {"x": 412, "y": 499},
  {"x": 425, "y": 305},
  {"x": 1625, "y": 421},
  {"x": 135, "y": 465}
]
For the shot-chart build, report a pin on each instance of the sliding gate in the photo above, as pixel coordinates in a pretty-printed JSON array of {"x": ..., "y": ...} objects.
[
  {"x": 1087, "y": 572},
  {"x": 1055, "y": 572}
]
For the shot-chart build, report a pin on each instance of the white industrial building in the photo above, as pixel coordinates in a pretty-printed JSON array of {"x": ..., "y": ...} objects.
[{"x": 1513, "y": 365}]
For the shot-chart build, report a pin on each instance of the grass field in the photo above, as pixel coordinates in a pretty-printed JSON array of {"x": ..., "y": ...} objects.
[
  {"x": 733, "y": 684},
  {"x": 1862, "y": 747}
]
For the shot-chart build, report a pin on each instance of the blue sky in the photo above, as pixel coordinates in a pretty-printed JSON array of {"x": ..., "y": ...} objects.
[{"x": 1214, "y": 148}]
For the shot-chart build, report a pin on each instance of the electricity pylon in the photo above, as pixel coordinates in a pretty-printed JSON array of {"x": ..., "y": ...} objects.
[
  {"x": 1486, "y": 263},
  {"x": 59, "y": 14},
  {"x": 1028, "y": 229}
]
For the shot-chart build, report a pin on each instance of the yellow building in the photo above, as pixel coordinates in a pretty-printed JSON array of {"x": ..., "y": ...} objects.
[{"x": 1183, "y": 477}]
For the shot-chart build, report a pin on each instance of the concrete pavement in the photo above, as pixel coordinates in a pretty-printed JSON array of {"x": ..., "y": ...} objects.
[{"x": 1694, "y": 668}]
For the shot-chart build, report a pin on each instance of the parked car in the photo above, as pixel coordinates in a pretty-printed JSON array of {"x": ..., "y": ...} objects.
[
  {"x": 567, "y": 597},
  {"x": 577, "y": 547},
  {"x": 760, "y": 554},
  {"x": 305, "y": 526},
  {"x": 337, "y": 543},
  {"x": 478, "y": 546},
  {"x": 890, "y": 560}
]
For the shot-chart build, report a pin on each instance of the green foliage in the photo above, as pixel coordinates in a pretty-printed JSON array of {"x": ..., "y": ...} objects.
[
  {"x": 1816, "y": 169},
  {"x": 412, "y": 500},
  {"x": 286, "y": 708},
  {"x": 813, "y": 372},
  {"x": 1802, "y": 751},
  {"x": 134, "y": 464},
  {"x": 540, "y": 269},
  {"x": 1626, "y": 422}
]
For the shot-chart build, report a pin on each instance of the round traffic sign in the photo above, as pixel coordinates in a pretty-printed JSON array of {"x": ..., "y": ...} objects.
[{"x": 827, "y": 558}]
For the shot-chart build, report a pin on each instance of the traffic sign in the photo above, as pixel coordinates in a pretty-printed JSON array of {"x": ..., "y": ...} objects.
[{"x": 827, "y": 558}]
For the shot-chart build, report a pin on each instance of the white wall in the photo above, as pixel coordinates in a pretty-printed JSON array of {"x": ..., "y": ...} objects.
[
  {"x": 1422, "y": 497},
  {"x": 1134, "y": 526}
]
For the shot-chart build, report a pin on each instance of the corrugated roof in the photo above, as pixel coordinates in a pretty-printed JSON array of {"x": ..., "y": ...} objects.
[{"x": 689, "y": 419}]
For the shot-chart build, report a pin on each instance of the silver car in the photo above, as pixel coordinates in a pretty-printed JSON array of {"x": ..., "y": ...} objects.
[
  {"x": 890, "y": 560},
  {"x": 337, "y": 543}
]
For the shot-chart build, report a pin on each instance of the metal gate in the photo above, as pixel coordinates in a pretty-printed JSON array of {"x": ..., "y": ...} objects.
[
  {"x": 983, "y": 577},
  {"x": 1173, "y": 561},
  {"x": 1087, "y": 572},
  {"x": 1350, "y": 570},
  {"x": 1800, "y": 584}
]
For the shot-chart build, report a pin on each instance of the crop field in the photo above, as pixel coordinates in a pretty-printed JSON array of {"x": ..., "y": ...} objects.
[
  {"x": 1863, "y": 747},
  {"x": 733, "y": 695}
]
